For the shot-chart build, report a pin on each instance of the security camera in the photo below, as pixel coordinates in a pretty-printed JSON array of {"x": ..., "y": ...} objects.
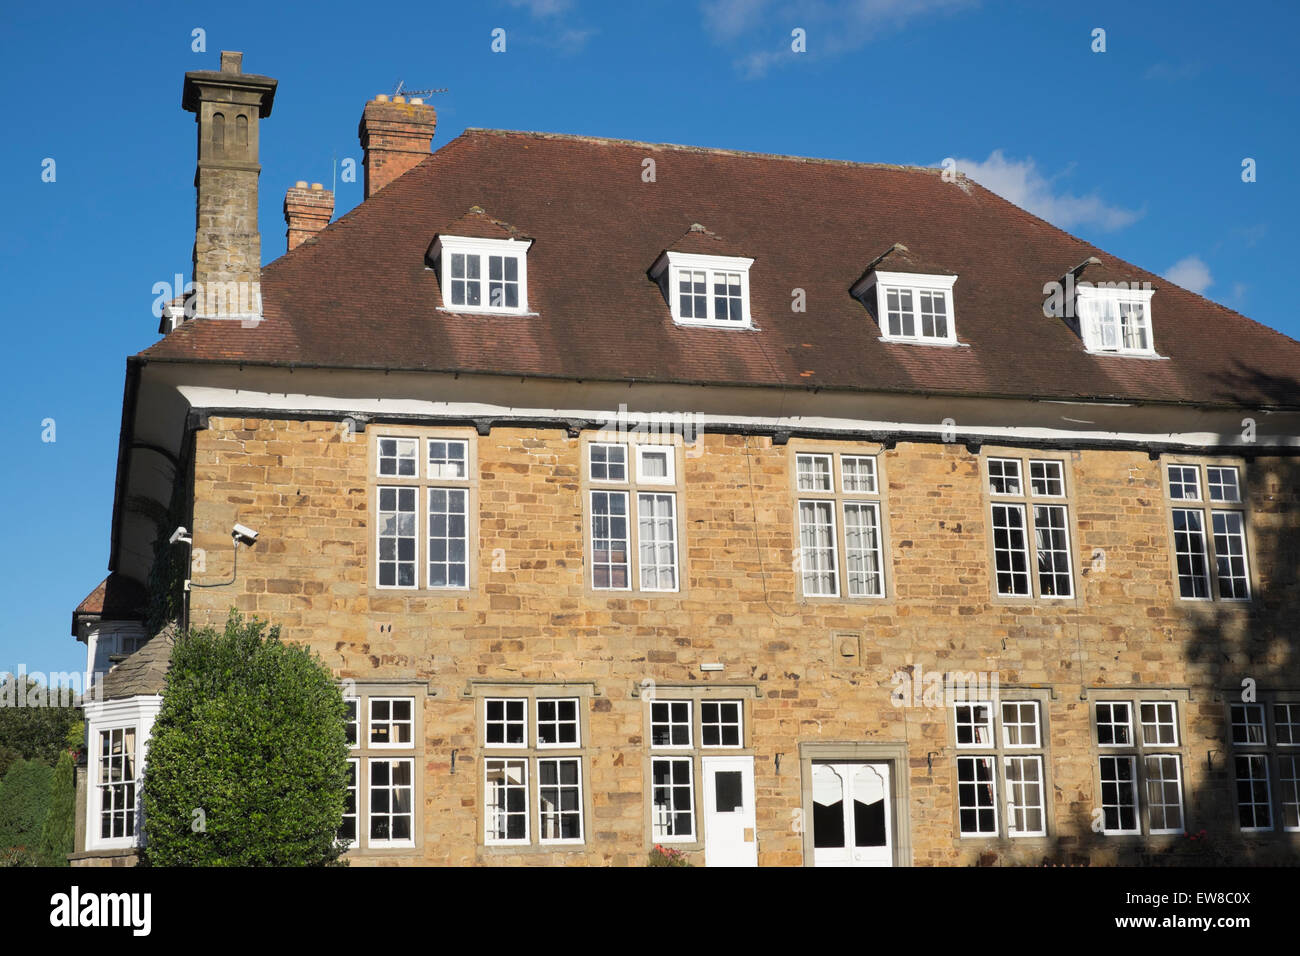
[
  {"x": 180, "y": 534},
  {"x": 244, "y": 535}
]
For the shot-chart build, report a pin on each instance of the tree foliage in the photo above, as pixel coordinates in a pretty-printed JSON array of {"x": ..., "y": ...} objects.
[
  {"x": 248, "y": 758},
  {"x": 24, "y": 805},
  {"x": 59, "y": 832},
  {"x": 35, "y": 732}
]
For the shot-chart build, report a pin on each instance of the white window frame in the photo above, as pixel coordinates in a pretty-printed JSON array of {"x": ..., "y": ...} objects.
[
  {"x": 560, "y": 787},
  {"x": 558, "y": 722},
  {"x": 1138, "y": 751},
  {"x": 1097, "y": 306},
  {"x": 1012, "y": 805},
  {"x": 1112, "y": 723},
  {"x": 672, "y": 788},
  {"x": 628, "y": 517},
  {"x": 991, "y": 761},
  {"x": 353, "y": 721},
  {"x": 634, "y": 488},
  {"x": 392, "y": 789},
  {"x": 833, "y": 547},
  {"x": 354, "y": 790},
  {"x": 810, "y": 458},
  {"x": 1197, "y": 506},
  {"x": 428, "y": 458},
  {"x": 882, "y": 283},
  {"x": 133, "y": 713},
  {"x": 669, "y": 267},
  {"x": 608, "y": 481},
  {"x": 672, "y": 724},
  {"x": 724, "y": 723},
  {"x": 527, "y": 838},
  {"x": 670, "y": 454},
  {"x": 1160, "y": 723},
  {"x": 391, "y": 722},
  {"x": 1019, "y": 723},
  {"x": 1146, "y": 790},
  {"x": 505, "y": 722},
  {"x": 448, "y": 539},
  {"x": 1135, "y": 781},
  {"x": 973, "y": 724},
  {"x": 397, "y": 560},
  {"x": 676, "y": 565},
  {"x": 398, "y": 456},
  {"x": 445, "y": 246}
]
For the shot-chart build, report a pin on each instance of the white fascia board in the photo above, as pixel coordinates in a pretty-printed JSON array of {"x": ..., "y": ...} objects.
[
  {"x": 1088, "y": 291},
  {"x": 479, "y": 244},
  {"x": 694, "y": 260},
  {"x": 469, "y": 397},
  {"x": 125, "y": 710},
  {"x": 908, "y": 280}
]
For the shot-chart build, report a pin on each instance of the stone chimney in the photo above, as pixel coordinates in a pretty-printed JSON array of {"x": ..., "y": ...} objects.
[
  {"x": 227, "y": 245},
  {"x": 306, "y": 211},
  {"x": 395, "y": 135}
]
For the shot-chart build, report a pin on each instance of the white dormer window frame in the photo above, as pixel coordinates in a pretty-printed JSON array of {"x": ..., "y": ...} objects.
[
  {"x": 1115, "y": 321},
  {"x": 483, "y": 276},
  {"x": 722, "y": 281},
  {"x": 909, "y": 300}
]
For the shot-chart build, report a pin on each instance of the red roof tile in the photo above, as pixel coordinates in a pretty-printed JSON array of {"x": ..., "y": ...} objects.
[{"x": 361, "y": 295}]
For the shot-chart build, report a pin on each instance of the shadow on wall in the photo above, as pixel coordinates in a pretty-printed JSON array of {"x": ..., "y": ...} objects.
[{"x": 1233, "y": 648}]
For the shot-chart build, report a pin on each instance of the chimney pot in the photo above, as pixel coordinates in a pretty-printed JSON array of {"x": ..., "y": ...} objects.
[
  {"x": 381, "y": 98},
  {"x": 395, "y": 137},
  {"x": 306, "y": 212},
  {"x": 416, "y": 101},
  {"x": 232, "y": 61}
]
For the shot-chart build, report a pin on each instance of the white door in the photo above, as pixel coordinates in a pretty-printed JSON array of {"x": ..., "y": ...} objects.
[
  {"x": 851, "y": 815},
  {"x": 729, "y": 838}
]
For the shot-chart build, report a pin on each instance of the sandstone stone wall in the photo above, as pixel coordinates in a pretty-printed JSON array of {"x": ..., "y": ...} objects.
[{"x": 530, "y": 616}]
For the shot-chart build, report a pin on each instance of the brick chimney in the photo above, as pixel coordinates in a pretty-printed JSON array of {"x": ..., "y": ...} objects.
[
  {"x": 395, "y": 135},
  {"x": 306, "y": 211},
  {"x": 227, "y": 105}
]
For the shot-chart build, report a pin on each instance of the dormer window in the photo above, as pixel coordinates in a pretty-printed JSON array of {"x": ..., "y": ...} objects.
[
  {"x": 483, "y": 275},
  {"x": 705, "y": 290},
  {"x": 1115, "y": 319},
  {"x": 911, "y": 307}
]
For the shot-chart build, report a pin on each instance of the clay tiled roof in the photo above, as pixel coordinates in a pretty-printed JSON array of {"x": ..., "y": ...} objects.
[
  {"x": 361, "y": 294},
  {"x": 116, "y": 598}
]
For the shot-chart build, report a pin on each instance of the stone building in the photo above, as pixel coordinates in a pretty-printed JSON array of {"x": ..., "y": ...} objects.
[{"x": 778, "y": 510}]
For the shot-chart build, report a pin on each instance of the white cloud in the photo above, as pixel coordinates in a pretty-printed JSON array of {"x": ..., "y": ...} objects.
[
  {"x": 543, "y": 8},
  {"x": 1024, "y": 184},
  {"x": 834, "y": 27},
  {"x": 1191, "y": 273}
]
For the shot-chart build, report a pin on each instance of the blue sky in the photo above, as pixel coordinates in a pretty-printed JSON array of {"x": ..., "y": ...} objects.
[{"x": 1138, "y": 149}]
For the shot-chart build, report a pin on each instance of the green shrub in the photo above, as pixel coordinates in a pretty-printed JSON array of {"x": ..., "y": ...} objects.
[
  {"x": 248, "y": 758},
  {"x": 24, "y": 805},
  {"x": 59, "y": 833}
]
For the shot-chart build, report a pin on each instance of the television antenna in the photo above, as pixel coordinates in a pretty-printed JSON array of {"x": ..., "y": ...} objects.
[{"x": 402, "y": 91}]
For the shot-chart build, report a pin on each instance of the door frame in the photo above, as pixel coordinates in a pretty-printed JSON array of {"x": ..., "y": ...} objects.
[{"x": 893, "y": 753}]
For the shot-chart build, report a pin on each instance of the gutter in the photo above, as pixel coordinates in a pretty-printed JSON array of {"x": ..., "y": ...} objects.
[{"x": 524, "y": 376}]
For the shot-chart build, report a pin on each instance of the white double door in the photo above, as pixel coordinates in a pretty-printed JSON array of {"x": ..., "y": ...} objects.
[
  {"x": 729, "y": 836},
  {"x": 851, "y": 823}
]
